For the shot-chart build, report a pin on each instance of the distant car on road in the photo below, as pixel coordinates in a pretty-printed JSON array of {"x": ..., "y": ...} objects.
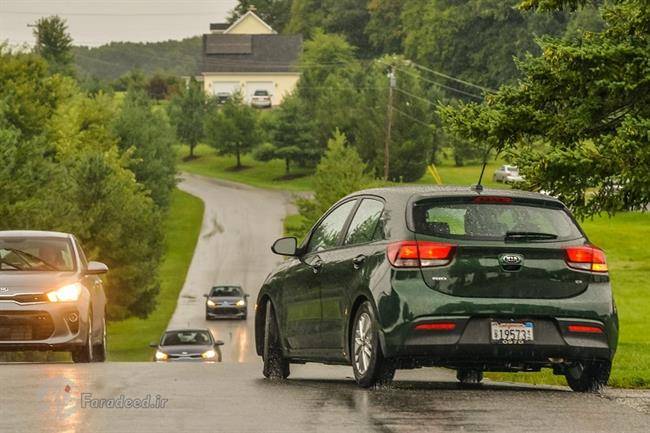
[
  {"x": 226, "y": 302},
  {"x": 222, "y": 97},
  {"x": 261, "y": 99},
  {"x": 51, "y": 297},
  {"x": 490, "y": 280},
  {"x": 507, "y": 174},
  {"x": 187, "y": 345}
]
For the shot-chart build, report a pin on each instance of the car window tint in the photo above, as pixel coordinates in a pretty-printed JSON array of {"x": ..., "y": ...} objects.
[
  {"x": 328, "y": 231},
  {"x": 363, "y": 227}
]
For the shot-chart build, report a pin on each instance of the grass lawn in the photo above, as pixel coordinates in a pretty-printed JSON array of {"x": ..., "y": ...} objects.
[
  {"x": 260, "y": 174},
  {"x": 622, "y": 238},
  {"x": 129, "y": 340}
]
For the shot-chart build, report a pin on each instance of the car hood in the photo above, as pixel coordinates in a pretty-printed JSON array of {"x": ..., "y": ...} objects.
[
  {"x": 189, "y": 349},
  {"x": 13, "y": 282}
]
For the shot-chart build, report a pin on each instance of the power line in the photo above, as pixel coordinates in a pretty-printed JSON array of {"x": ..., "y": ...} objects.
[
  {"x": 449, "y": 77},
  {"x": 436, "y": 83},
  {"x": 415, "y": 119},
  {"x": 416, "y": 96}
]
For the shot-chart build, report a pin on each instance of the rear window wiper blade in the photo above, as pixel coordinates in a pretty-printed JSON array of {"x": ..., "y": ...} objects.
[{"x": 516, "y": 236}]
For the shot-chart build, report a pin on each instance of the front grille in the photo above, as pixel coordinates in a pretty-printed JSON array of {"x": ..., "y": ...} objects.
[
  {"x": 25, "y": 325},
  {"x": 227, "y": 310},
  {"x": 25, "y": 298},
  {"x": 193, "y": 355}
]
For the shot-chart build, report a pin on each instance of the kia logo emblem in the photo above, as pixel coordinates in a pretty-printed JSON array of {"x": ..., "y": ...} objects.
[
  {"x": 511, "y": 259},
  {"x": 4, "y": 289}
]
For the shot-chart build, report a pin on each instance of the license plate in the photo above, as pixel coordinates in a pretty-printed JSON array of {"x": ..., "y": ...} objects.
[{"x": 512, "y": 332}]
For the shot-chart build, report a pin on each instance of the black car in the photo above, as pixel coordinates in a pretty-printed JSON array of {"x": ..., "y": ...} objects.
[
  {"x": 51, "y": 296},
  {"x": 226, "y": 302},
  {"x": 187, "y": 345},
  {"x": 472, "y": 280}
]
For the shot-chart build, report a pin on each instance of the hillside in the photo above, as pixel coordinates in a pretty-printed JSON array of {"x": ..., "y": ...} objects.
[{"x": 118, "y": 58}]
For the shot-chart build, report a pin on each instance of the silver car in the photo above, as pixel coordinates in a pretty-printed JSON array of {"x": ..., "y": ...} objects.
[
  {"x": 507, "y": 174},
  {"x": 51, "y": 297}
]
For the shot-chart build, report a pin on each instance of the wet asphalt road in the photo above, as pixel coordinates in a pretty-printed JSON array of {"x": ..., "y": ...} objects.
[{"x": 239, "y": 225}]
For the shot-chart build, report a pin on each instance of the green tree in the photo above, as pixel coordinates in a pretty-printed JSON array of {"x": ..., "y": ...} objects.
[
  {"x": 339, "y": 173},
  {"x": 294, "y": 138},
  {"x": 232, "y": 128},
  {"x": 579, "y": 118},
  {"x": 55, "y": 44},
  {"x": 384, "y": 29},
  {"x": 187, "y": 112},
  {"x": 148, "y": 136}
]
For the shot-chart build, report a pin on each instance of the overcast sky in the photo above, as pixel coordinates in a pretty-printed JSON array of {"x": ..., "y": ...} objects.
[{"x": 96, "y": 22}]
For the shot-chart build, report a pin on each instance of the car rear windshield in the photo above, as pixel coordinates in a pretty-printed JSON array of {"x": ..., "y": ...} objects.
[
  {"x": 494, "y": 218},
  {"x": 36, "y": 254},
  {"x": 261, "y": 93}
]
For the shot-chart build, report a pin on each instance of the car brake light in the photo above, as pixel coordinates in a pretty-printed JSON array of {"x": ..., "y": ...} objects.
[
  {"x": 440, "y": 326},
  {"x": 585, "y": 329},
  {"x": 492, "y": 200},
  {"x": 413, "y": 254},
  {"x": 586, "y": 258}
]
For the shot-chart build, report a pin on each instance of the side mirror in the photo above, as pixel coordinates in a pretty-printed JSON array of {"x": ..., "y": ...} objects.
[
  {"x": 96, "y": 268},
  {"x": 218, "y": 343},
  {"x": 285, "y": 247},
  {"x": 153, "y": 345},
  {"x": 247, "y": 296}
]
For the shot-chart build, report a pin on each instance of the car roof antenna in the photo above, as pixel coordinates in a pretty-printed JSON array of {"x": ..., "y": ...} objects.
[{"x": 479, "y": 187}]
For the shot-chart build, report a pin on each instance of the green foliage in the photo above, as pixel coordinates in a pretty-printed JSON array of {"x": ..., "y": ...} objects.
[
  {"x": 578, "y": 122},
  {"x": 187, "y": 114},
  {"x": 147, "y": 136},
  {"x": 384, "y": 30},
  {"x": 473, "y": 39},
  {"x": 111, "y": 61},
  {"x": 54, "y": 44},
  {"x": 162, "y": 86},
  {"x": 232, "y": 128},
  {"x": 339, "y": 173},
  {"x": 274, "y": 12}
]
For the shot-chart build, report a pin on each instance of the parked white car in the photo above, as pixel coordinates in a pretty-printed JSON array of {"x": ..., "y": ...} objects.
[
  {"x": 507, "y": 174},
  {"x": 261, "y": 99}
]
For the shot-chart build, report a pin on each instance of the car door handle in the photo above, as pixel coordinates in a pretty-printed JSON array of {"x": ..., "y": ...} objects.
[
  {"x": 358, "y": 261},
  {"x": 317, "y": 265}
]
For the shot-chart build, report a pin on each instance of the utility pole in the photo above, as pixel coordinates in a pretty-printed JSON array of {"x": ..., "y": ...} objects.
[{"x": 389, "y": 121}]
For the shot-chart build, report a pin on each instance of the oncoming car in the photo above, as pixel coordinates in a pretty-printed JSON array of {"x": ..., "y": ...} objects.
[
  {"x": 187, "y": 345},
  {"x": 475, "y": 281},
  {"x": 51, "y": 297},
  {"x": 226, "y": 302}
]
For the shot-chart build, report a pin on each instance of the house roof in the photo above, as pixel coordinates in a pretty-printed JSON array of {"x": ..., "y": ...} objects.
[
  {"x": 248, "y": 14},
  {"x": 250, "y": 53}
]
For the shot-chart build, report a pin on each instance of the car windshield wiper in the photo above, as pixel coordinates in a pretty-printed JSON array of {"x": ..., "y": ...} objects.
[
  {"x": 15, "y": 266},
  {"x": 26, "y": 257},
  {"x": 524, "y": 236}
]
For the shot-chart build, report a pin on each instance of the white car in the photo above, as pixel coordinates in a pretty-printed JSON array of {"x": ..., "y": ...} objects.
[
  {"x": 261, "y": 99},
  {"x": 507, "y": 174}
]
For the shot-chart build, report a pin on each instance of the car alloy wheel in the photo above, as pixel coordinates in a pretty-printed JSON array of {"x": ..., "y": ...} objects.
[{"x": 368, "y": 362}]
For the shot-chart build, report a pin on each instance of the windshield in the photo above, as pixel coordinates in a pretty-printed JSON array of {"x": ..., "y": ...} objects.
[
  {"x": 36, "y": 254},
  {"x": 509, "y": 220},
  {"x": 187, "y": 338},
  {"x": 226, "y": 291}
]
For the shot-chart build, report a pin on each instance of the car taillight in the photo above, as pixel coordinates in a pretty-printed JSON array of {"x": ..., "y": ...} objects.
[
  {"x": 585, "y": 329},
  {"x": 586, "y": 258},
  {"x": 483, "y": 199},
  {"x": 425, "y": 254},
  {"x": 440, "y": 326}
]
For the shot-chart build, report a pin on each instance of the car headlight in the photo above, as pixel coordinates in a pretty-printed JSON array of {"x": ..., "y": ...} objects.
[
  {"x": 241, "y": 303},
  {"x": 209, "y": 354},
  {"x": 211, "y": 303},
  {"x": 69, "y": 293},
  {"x": 161, "y": 356}
]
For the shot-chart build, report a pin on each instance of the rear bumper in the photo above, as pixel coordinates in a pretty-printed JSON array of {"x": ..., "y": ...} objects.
[
  {"x": 469, "y": 344},
  {"x": 43, "y": 326}
]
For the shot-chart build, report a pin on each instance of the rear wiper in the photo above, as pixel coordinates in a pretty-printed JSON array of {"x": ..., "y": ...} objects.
[{"x": 523, "y": 236}]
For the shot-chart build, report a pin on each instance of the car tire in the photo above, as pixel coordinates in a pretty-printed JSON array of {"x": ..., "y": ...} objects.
[
  {"x": 84, "y": 354},
  {"x": 100, "y": 351},
  {"x": 368, "y": 362},
  {"x": 276, "y": 366},
  {"x": 588, "y": 377},
  {"x": 207, "y": 317},
  {"x": 469, "y": 376}
]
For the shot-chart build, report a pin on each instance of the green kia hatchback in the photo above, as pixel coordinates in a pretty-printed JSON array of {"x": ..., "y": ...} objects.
[{"x": 471, "y": 280}]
